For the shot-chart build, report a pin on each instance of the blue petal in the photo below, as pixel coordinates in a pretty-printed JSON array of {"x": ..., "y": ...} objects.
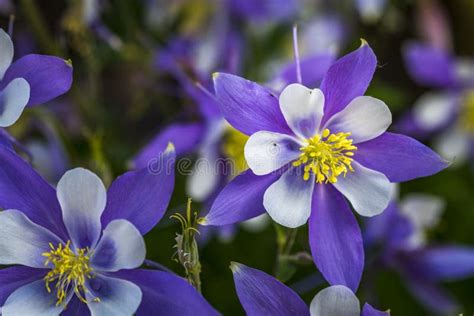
[
  {"x": 399, "y": 157},
  {"x": 335, "y": 238},
  {"x": 347, "y": 79},
  {"x": 142, "y": 196},
  {"x": 48, "y": 76},
  {"x": 262, "y": 294},
  {"x": 165, "y": 294},
  {"x": 248, "y": 106},
  {"x": 23, "y": 189},
  {"x": 430, "y": 66},
  {"x": 185, "y": 138},
  {"x": 241, "y": 199},
  {"x": 368, "y": 310}
]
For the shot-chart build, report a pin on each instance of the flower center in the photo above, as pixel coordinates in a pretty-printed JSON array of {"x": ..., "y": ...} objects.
[
  {"x": 71, "y": 269},
  {"x": 327, "y": 156},
  {"x": 467, "y": 114},
  {"x": 233, "y": 148}
]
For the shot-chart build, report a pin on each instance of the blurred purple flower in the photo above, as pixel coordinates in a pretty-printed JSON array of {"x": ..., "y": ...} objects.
[
  {"x": 262, "y": 294},
  {"x": 401, "y": 233},
  {"x": 303, "y": 160},
  {"x": 447, "y": 113},
  {"x": 80, "y": 244}
]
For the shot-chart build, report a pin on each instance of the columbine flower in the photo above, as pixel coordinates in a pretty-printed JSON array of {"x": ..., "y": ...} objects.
[
  {"x": 401, "y": 231},
  {"x": 310, "y": 148},
  {"x": 31, "y": 80},
  {"x": 76, "y": 249},
  {"x": 262, "y": 294},
  {"x": 447, "y": 113}
]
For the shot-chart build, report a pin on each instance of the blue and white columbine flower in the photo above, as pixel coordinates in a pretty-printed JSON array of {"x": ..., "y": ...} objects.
[
  {"x": 310, "y": 148},
  {"x": 31, "y": 80},
  {"x": 76, "y": 249},
  {"x": 262, "y": 294},
  {"x": 401, "y": 232}
]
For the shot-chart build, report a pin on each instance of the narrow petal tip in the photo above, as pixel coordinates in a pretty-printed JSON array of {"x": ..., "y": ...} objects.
[
  {"x": 235, "y": 267},
  {"x": 363, "y": 42},
  {"x": 203, "y": 221},
  {"x": 215, "y": 75},
  {"x": 68, "y": 62},
  {"x": 170, "y": 148}
]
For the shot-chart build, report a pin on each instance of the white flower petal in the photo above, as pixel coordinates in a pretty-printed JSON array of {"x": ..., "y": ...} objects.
[
  {"x": 121, "y": 247},
  {"x": 6, "y": 52},
  {"x": 205, "y": 175},
  {"x": 288, "y": 200},
  {"x": 433, "y": 110},
  {"x": 117, "y": 297},
  {"x": 453, "y": 145},
  {"x": 82, "y": 197},
  {"x": 302, "y": 109},
  {"x": 32, "y": 299},
  {"x": 13, "y": 100},
  {"x": 267, "y": 151},
  {"x": 22, "y": 241},
  {"x": 368, "y": 191},
  {"x": 336, "y": 300},
  {"x": 365, "y": 118}
]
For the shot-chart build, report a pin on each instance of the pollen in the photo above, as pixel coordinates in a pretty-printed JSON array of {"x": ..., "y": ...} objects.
[
  {"x": 327, "y": 156},
  {"x": 467, "y": 114},
  {"x": 70, "y": 271},
  {"x": 233, "y": 148}
]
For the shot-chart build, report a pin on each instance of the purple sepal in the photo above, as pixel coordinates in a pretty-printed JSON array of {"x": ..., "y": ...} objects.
[
  {"x": 335, "y": 238},
  {"x": 262, "y": 294}
]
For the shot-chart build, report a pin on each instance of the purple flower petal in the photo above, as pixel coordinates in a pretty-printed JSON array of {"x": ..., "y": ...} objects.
[
  {"x": 432, "y": 296},
  {"x": 5, "y": 139},
  {"x": 120, "y": 247},
  {"x": 117, "y": 296},
  {"x": 142, "y": 196},
  {"x": 241, "y": 199},
  {"x": 264, "y": 10},
  {"x": 445, "y": 263},
  {"x": 165, "y": 294},
  {"x": 399, "y": 157},
  {"x": 48, "y": 76},
  {"x": 390, "y": 227},
  {"x": 14, "y": 277},
  {"x": 347, "y": 79},
  {"x": 335, "y": 238},
  {"x": 430, "y": 66},
  {"x": 23, "y": 189},
  {"x": 76, "y": 307},
  {"x": 313, "y": 69},
  {"x": 368, "y": 310},
  {"x": 262, "y": 294},
  {"x": 248, "y": 106},
  {"x": 185, "y": 138}
]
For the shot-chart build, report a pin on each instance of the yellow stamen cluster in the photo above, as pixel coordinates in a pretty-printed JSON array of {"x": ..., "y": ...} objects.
[
  {"x": 467, "y": 115},
  {"x": 233, "y": 148},
  {"x": 71, "y": 269},
  {"x": 327, "y": 156}
]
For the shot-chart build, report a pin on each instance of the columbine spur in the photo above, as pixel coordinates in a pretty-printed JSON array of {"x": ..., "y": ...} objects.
[
  {"x": 310, "y": 148},
  {"x": 76, "y": 250}
]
